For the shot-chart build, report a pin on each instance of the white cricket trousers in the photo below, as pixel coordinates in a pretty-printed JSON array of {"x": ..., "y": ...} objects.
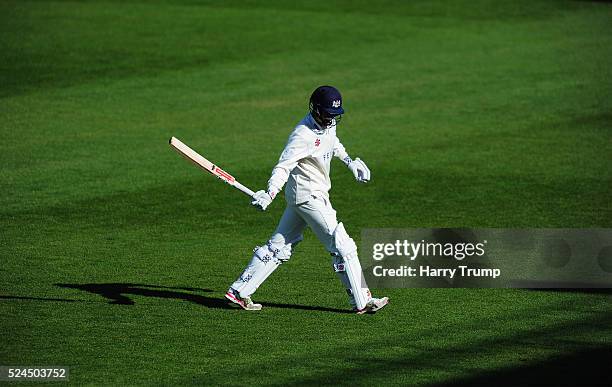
[{"x": 317, "y": 213}]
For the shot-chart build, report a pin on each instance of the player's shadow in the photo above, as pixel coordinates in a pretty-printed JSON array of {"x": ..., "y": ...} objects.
[{"x": 118, "y": 293}]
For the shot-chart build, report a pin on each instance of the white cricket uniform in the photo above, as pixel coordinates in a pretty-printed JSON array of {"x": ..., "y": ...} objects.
[{"x": 304, "y": 167}]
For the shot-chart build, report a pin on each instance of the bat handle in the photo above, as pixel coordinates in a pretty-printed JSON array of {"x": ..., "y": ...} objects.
[{"x": 244, "y": 189}]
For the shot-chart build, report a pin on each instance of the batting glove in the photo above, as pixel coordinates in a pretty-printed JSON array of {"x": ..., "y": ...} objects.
[
  {"x": 360, "y": 170},
  {"x": 261, "y": 200}
]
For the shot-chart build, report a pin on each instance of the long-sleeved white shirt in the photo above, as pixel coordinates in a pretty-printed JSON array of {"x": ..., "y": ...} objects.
[{"x": 305, "y": 162}]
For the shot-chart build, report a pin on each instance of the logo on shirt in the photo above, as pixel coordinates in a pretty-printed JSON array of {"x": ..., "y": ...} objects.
[
  {"x": 336, "y": 103},
  {"x": 317, "y": 142}
]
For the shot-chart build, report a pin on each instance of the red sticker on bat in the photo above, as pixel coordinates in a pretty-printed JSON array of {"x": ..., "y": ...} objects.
[{"x": 223, "y": 175}]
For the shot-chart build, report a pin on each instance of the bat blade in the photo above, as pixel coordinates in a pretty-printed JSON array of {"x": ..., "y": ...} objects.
[{"x": 193, "y": 156}]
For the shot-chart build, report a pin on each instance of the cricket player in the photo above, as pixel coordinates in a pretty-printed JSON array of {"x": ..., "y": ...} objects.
[{"x": 304, "y": 168}]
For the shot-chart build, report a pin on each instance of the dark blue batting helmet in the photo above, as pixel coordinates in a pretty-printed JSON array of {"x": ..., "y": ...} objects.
[{"x": 326, "y": 105}]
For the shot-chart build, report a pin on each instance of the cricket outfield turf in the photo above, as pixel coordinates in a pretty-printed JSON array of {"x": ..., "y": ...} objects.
[{"x": 116, "y": 253}]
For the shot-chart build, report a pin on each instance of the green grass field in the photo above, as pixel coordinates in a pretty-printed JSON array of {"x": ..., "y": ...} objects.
[{"x": 116, "y": 253}]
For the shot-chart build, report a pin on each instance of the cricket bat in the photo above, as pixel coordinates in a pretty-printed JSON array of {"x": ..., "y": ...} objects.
[{"x": 206, "y": 165}]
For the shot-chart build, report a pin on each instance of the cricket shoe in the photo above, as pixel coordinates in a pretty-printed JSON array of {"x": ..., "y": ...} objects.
[
  {"x": 373, "y": 306},
  {"x": 245, "y": 302}
]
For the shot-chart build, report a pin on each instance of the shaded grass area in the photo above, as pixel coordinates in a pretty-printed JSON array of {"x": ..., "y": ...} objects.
[
  {"x": 116, "y": 253},
  {"x": 447, "y": 336},
  {"x": 584, "y": 367}
]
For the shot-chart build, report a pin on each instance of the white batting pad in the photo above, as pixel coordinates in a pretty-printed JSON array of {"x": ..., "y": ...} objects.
[
  {"x": 261, "y": 266},
  {"x": 352, "y": 268},
  {"x": 340, "y": 269}
]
